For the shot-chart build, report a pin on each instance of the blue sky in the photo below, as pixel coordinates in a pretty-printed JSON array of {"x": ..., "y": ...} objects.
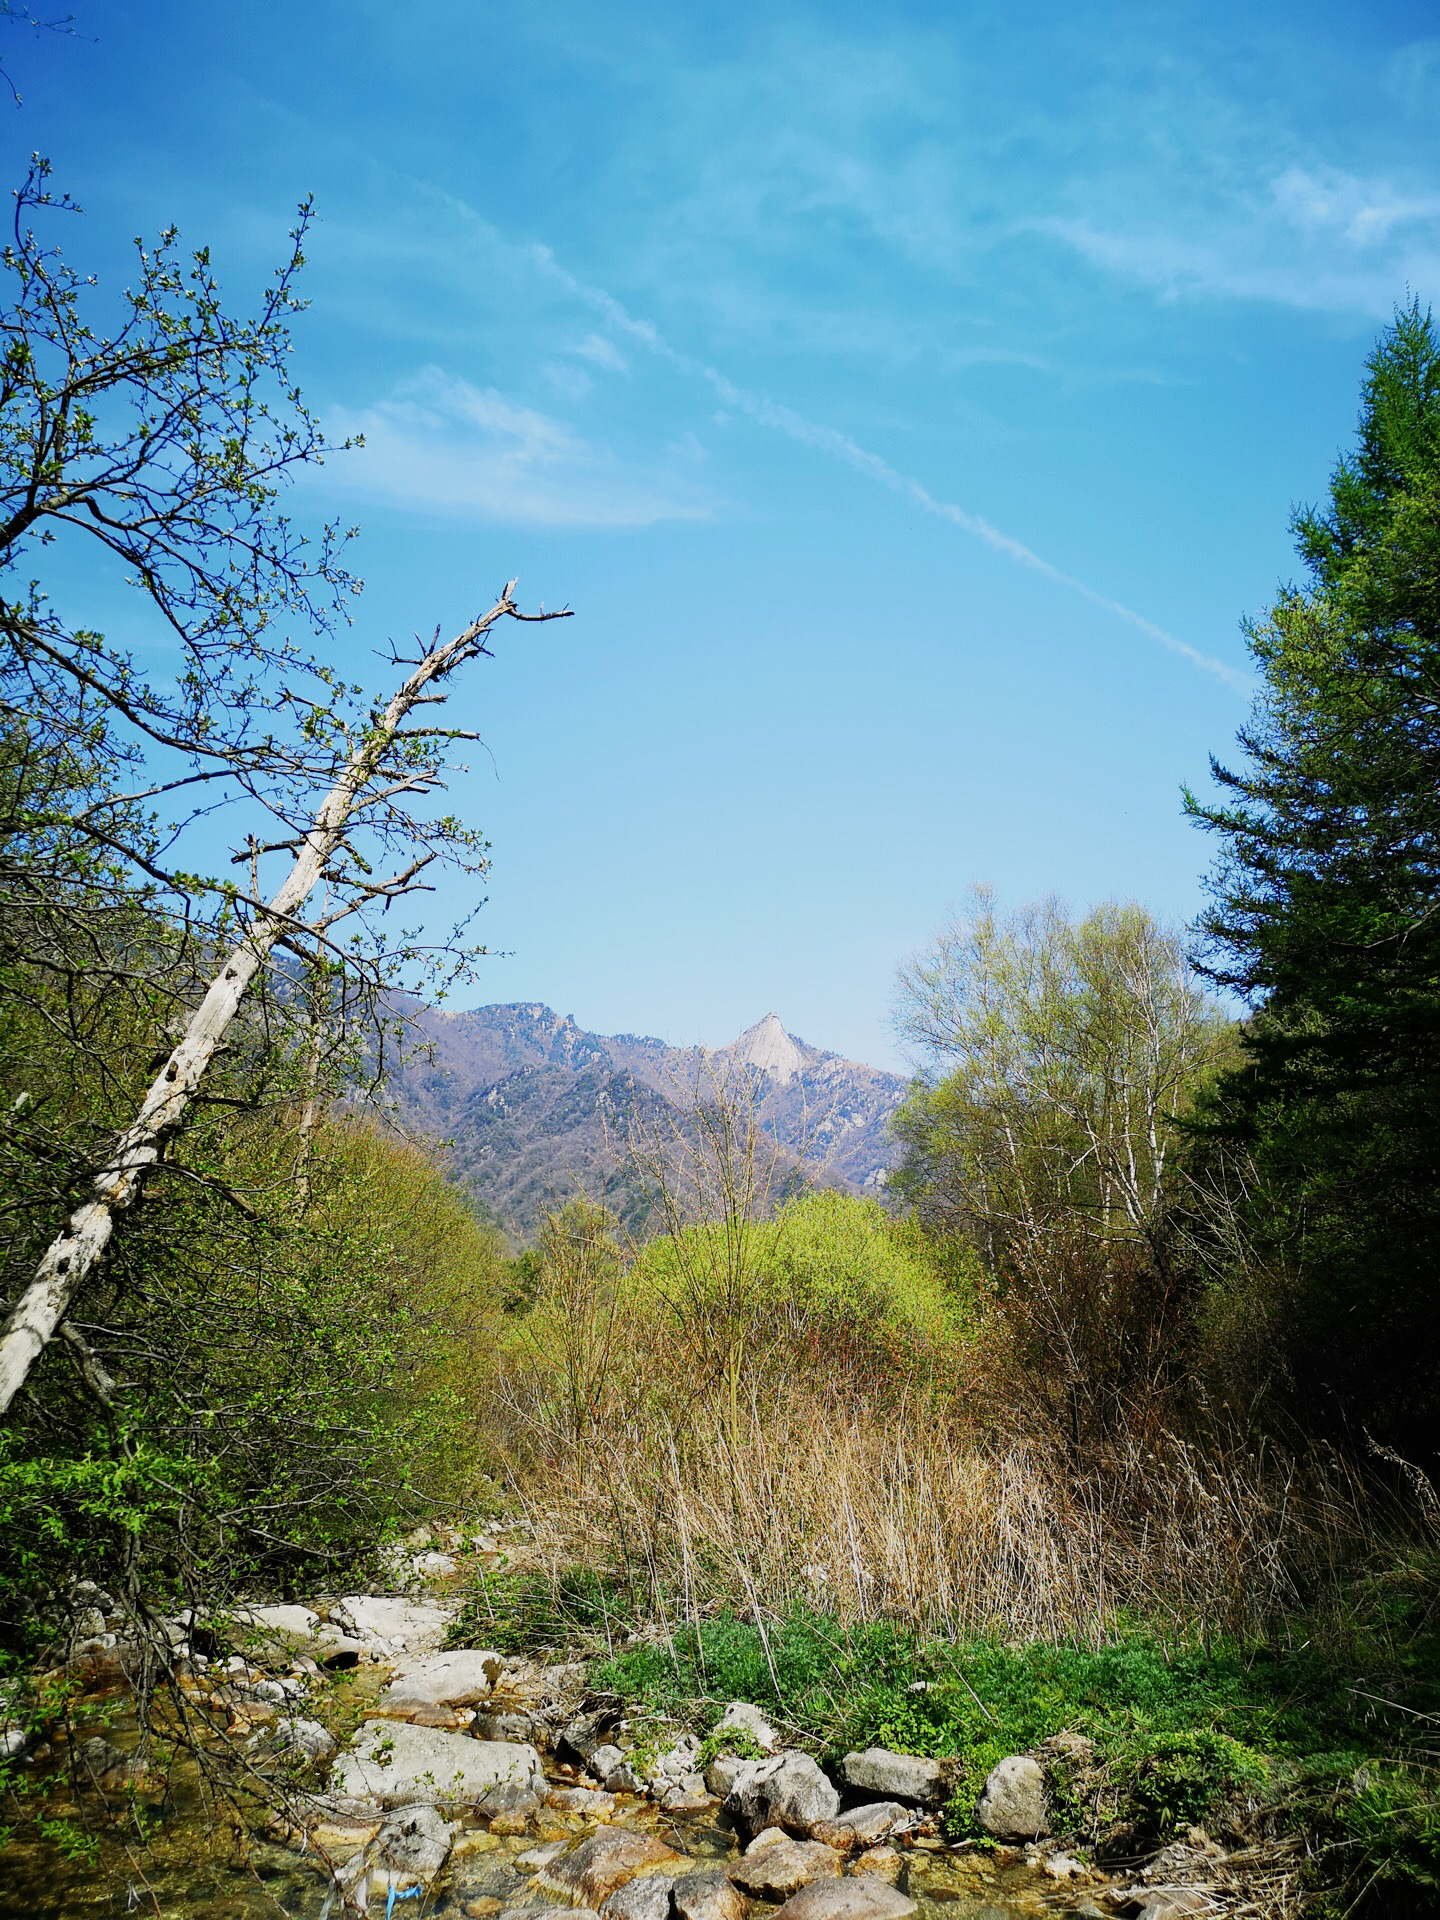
[{"x": 909, "y": 399}]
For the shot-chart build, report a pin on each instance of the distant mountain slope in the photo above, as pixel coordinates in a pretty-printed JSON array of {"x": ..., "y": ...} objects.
[{"x": 537, "y": 1109}]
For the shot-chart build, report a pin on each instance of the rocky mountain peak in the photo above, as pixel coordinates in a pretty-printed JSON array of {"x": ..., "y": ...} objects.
[{"x": 769, "y": 1047}]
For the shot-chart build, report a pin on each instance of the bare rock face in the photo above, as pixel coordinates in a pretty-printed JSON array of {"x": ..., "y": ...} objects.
[
  {"x": 867, "y": 1897},
  {"x": 897, "y": 1776},
  {"x": 786, "y": 1791},
  {"x": 710, "y": 1895},
  {"x": 604, "y": 1861},
  {"x": 396, "y": 1763},
  {"x": 1012, "y": 1807},
  {"x": 776, "y": 1870}
]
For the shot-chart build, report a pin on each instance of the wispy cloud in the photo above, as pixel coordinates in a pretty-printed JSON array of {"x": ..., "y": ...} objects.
[{"x": 437, "y": 444}]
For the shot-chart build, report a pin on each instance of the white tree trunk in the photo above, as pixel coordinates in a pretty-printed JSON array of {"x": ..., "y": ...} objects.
[{"x": 117, "y": 1185}]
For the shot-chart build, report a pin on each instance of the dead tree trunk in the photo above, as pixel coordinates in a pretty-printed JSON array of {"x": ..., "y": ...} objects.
[{"x": 117, "y": 1185}]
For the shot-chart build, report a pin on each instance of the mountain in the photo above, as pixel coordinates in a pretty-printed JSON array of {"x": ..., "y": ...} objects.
[{"x": 535, "y": 1109}]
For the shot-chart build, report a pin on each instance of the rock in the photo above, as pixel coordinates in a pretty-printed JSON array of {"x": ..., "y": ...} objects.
[
  {"x": 784, "y": 1866},
  {"x": 434, "y": 1566},
  {"x": 1012, "y": 1807},
  {"x": 897, "y": 1776},
  {"x": 13, "y": 1741},
  {"x": 625, "y": 1779},
  {"x": 682, "y": 1800},
  {"x": 678, "y": 1761},
  {"x": 1063, "y": 1866},
  {"x": 861, "y": 1897},
  {"x": 788, "y": 1791},
  {"x": 516, "y": 1817},
  {"x": 842, "y": 1839},
  {"x": 539, "y": 1857},
  {"x": 723, "y": 1772},
  {"x": 506, "y": 1726},
  {"x": 710, "y": 1895},
  {"x": 405, "y": 1626},
  {"x": 647, "y": 1898},
  {"x": 603, "y": 1861},
  {"x": 394, "y": 1763},
  {"x": 290, "y": 1623},
  {"x": 875, "y": 1820},
  {"x": 549, "y": 1913},
  {"x": 604, "y": 1760},
  {"x": 338, "y": 1652},
  {"x": 1171, "y": 1903},
  {"x": 103, "y": 1764},
  {"x": 307, "y": 1738},
  {"x": 742, "y": 1716},
  {"x": 432, "y": 1691},
  {"x": 887, "y": 1862},
  {"x": 412, "y": 1845},
  {"x": 584, "y": 1735},
  {"x": 581, "y": 1800}
]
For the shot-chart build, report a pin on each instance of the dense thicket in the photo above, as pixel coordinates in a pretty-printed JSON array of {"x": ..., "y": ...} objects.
[{"x": 1326, "y": 917}]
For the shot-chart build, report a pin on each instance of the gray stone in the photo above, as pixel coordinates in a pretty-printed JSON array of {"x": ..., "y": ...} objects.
[
  {"x": 585, "y": 1735},
  {"x": 603, "y": 1861},
  {"x": 413, "y": 1845},
  {"x": 896, "y": 1776},
  {"x": 404, "y": 1626},
  {"x": 395, "y": 1763},
  {"x": 538, "y": 1857},
  {"x": 304, "y": 1737},
  {"x": 506, "y": 1726},
  {"x": 861, "y": 1897},
  {"x": 434, "y": 1690},
  {"x": 723, "y": 1772},
  {"x": 740, "y": 1715},
  {"x": 875, "y": 1820},
  {"x": 604, "y": 1760},
  {"x": 710, "y": 1895},
  {"x": 1012, "y": 1807},
  {"x": 774, "y": 1871},
  {"x": 598, "y": 1806},
  {"x": 625, "y": 1779},
  {"x": 647, "y": 1898},
  {"x": 788, "y": 1790}
]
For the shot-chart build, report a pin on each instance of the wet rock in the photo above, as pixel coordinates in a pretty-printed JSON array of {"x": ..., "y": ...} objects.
[
  {"x": 875, "y": 1820},
  {"x": 514, "y": 1817},
  {"x": 867, "y": 1897},
  {"x": 744, "y": 1718},
  {"x": 896, "y": 1776},
  {"x": 786, "y": 1791},
  {"x": 1012, "y": 1807},
  {"x": 539, "y": 1857},
  {"x": 306, "y": 1739},
  {"x": 394, "y": 1762},
  {"x": 585, "y": 1735},
  {"x": 100, "y": 1763},
  {"x": 887, "y": 1862},
  {"x": 647, "y": 1898},
  {"x": 603, "y": 1861},
  {"x": 597, "y": 1806},
  {"x": 782, "y": 1867},
  {"x": 710, "y": 1895},
  {"x": 434, "y": 1690}
]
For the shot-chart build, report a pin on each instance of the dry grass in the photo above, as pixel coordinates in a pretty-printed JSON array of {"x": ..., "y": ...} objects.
[{"x": 913, "y": 1510}]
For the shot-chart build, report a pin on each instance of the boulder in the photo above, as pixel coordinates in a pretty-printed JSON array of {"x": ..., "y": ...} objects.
[
  {"x": 786, "y": 1791},
  {"x": 861, "y": 1897},
  {"x": 875, "y": 1820},
  {"x": 603, "y": 1861},
  {"x": 395, "y": 1763},
  {"x": 710, "y": 1895},
  {"x": 434, "y": 1690},
  {"x": 604, "y": 1760},
  {"x": 723, "y": 1772},
  {"x": 895, "y": 1776},
  {"x": 742, "y": 1717},
  {"x": 509, "y": 1726},
  {"x": 647, "y": 1898},
  {"x": 585, "y": 1735},
  {"x": 404, "y": 1626},
  {"x": 1012, "y": 1807},
  {"x": 305, "y": 1738},
  {"x": 413, "y": 1845},
  {"x": 598, "y": 1806},
  {"x": 626, "y": 1778},
  {"x": 776, "y": 1870},
  {"x": 887, "y": 1862}
]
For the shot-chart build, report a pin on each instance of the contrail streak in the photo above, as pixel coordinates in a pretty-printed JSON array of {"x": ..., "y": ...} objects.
[{"x": 841, "y": 447}]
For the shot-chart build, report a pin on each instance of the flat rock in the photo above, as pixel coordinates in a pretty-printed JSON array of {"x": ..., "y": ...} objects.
[
  {"x": 895, "y": 1776},
  {"x": 788, "y": 1790},
  {"x": 647, "y": 1898},
  {"x": 875, "y": 1820},
  {"x": 603, "y": 1861},
  {"x": 434, "y": 1690},
  {"x": 407, "y": 1626},
  {"x": 773, "y": 1872},
  {"x": 710, "y": 1895},
  {"x": 861, "y": 1897},
  {"x": 394, "y": 1762},
  {"x": 1012, "y": 1807},
  {"x": 599, "y": 1806}
]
